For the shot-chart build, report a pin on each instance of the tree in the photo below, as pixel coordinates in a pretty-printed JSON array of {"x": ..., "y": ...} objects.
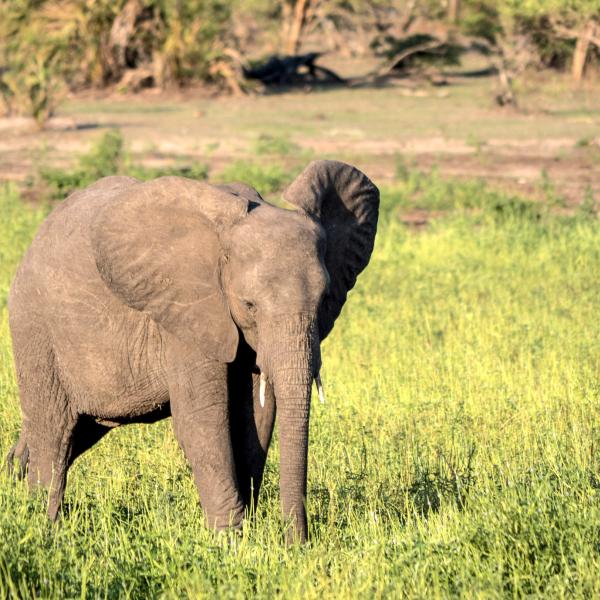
[
  {"x": 294, "y": 13},
  {"x": 453, "y": 11},
  {"x": 577, "y": 20}
]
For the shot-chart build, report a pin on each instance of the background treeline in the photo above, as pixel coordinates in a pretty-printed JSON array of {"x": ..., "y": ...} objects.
[{"x": 49, "y": 47}]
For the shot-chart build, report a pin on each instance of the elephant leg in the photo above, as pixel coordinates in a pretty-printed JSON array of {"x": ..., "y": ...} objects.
[
  {"x": 20, "y": 452},
  {"x": 251, "y": 429},
  {"x": 198, "y": 395},
  {"x": 48, "y": 422},
  {"x": 50, "y": 441}
]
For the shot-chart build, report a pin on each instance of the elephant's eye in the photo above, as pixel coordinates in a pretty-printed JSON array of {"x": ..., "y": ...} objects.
[{"x": 249, "y": 305}]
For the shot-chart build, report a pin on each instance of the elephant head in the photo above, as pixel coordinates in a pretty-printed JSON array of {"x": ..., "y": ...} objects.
[{"x": 212, "y": 263}]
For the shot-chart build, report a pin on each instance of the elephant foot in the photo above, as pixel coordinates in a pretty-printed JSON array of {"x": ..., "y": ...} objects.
[{"x": 233, "y": 521}]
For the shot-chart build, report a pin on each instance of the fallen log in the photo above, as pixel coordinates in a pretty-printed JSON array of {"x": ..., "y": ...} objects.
[{"x": 292, "y": 70}]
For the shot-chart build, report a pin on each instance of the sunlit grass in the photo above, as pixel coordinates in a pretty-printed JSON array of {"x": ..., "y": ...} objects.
[{"x": 457, "y": 453}]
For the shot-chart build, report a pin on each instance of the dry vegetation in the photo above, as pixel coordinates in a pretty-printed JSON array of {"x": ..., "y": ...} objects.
[
  {"x": 547, "y": 149},
  {"x": 51, "y": 47}
]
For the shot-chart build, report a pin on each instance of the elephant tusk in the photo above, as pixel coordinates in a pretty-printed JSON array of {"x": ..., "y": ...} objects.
[
  {"x": 320, "y": 388},
  {"x": 263, "y": 389}
]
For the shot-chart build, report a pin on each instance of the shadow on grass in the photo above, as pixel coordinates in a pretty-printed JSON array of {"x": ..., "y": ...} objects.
[{"x": 447, "y": 479}]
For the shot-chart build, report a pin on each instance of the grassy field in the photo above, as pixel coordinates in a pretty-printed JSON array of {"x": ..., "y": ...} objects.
[
  {"x": 458, "y": 453},
  {"x": 458, "y": 128}
]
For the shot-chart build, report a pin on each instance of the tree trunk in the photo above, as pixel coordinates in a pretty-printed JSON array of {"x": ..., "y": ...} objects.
[
  {"x": 581, "y": 51},
  {"x": 121, "y": 32},
  {"x": 453, "y": 11},
  {"x": 500, "y": 60},
  {"x": 294, "y": 19}
]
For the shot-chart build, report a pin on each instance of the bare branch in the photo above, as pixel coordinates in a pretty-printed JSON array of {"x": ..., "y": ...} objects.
[
  {"x": 430, "y": 45},
  {"x": 561, "y": 30}
]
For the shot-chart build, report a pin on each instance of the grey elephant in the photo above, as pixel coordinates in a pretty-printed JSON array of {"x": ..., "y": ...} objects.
[{"x": 137, "y": 301}]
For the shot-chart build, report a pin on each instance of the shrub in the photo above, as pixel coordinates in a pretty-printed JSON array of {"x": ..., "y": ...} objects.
[
  {"x": 31, "y": 77},
  {"x": 47, "y": 47},
  {"x": 275, "y": 144},
  {"x": 107, "y": 157},
  {"x": 265, "y": 178}
]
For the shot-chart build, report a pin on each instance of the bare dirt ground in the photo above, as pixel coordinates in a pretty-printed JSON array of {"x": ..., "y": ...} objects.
[{"x": 553, "y": 137}]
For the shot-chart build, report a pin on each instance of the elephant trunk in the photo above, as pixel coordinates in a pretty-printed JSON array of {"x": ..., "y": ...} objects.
[{"x": 291, "y": 359}]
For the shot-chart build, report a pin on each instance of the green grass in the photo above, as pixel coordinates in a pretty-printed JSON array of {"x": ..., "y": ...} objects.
[
  {"x": 458, "y": 453},
  {"x": 275, "y": 144},
  {"x": 468, "y": 113},
  {"x": 108, "y": 157},
  {"x": 266, "y": 176}
]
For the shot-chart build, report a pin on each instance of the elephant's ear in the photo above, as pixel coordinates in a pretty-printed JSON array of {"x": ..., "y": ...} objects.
[
  {"x": 346, "y": 203},
  {"x": 157, "y": 248}
]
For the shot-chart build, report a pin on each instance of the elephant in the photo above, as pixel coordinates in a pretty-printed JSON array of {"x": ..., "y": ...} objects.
[{"x": 173, "y": 297}]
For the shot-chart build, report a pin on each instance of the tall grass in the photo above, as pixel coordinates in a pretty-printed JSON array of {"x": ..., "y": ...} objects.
[{"x": 458, "y": 452}]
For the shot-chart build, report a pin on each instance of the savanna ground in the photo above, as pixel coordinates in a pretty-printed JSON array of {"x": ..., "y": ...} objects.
[{"x": 458, "y": 453}]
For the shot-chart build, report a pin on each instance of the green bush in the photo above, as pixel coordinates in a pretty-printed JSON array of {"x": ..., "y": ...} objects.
[
  {"x": 275, "y": 144},
  {"x": 107, "y": 157},
  {"x": 480, "y": 18},
  {"x": 265, "y": 178},
  {"x": 431, "y": 192},
  {"x": 194, "y": 171}
]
